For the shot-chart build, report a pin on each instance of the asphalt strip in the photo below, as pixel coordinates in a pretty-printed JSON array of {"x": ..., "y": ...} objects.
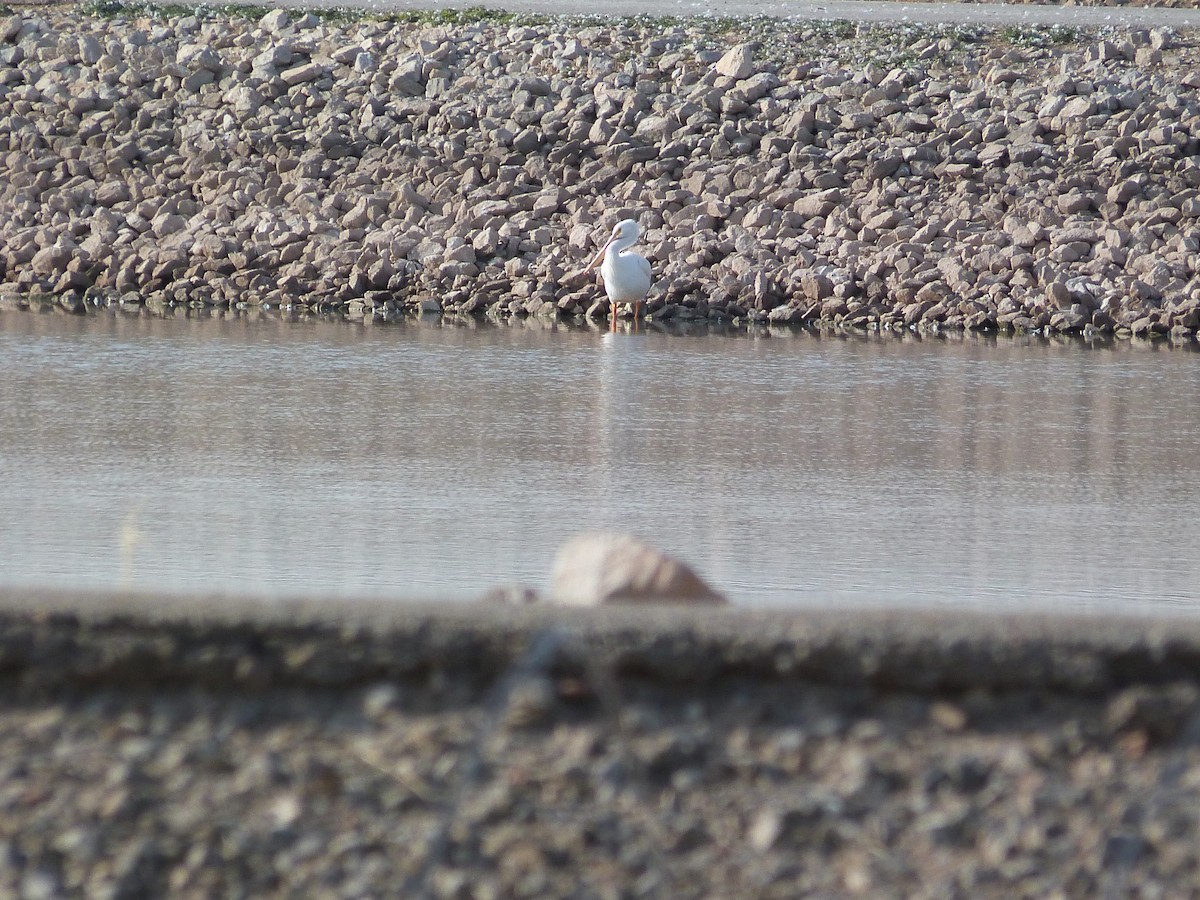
[{"x": 64, "y": 636}]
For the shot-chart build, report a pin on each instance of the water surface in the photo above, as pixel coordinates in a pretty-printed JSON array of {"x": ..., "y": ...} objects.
[{"x": 261, "y": 455}]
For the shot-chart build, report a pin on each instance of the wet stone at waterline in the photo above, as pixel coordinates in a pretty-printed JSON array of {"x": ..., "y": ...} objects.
[{"x": 882, "y": 177}]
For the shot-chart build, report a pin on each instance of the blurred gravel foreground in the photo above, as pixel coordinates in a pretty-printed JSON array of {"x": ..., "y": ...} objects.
[{"x": 201, "y": 748}]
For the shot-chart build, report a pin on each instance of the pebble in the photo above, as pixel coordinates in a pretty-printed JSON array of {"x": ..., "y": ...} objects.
[{"x": 530, "y": 702}]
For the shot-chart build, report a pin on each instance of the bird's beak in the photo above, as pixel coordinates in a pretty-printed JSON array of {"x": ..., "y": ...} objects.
[{"x": 599, "y": 256}]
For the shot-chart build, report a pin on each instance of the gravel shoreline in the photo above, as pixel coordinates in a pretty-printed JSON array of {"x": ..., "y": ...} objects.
[
  {"x": 867, "y": 177},
  {"x": 196, "y": 746}
]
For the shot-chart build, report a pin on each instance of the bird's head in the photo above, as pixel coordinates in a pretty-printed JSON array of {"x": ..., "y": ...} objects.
[
  {"x": 624, "y": 235},
  {"x": 626, "y": 230}
]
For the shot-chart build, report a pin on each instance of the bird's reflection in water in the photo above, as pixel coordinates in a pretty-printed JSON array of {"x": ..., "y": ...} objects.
[{"x": 619, "y": 414}]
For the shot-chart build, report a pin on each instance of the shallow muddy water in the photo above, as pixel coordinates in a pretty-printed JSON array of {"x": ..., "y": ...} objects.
[{"x": 264, "y": 456}]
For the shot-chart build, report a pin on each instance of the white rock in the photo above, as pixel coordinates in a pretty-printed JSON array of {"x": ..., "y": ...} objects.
[
  {"x": 598, "y": 569},
  {"x": 275, "y": 21},
  {"x": 737, "y": 63}
]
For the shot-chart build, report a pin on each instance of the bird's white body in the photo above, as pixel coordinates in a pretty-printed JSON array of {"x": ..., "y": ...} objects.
[{"x": 626, "y": 275}]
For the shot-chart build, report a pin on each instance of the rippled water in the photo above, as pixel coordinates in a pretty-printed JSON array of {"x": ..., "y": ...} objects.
[{"x": 265, "y": 456}]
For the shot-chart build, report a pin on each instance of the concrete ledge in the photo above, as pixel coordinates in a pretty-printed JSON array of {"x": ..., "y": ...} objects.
[{"x": 223, "y": 642}]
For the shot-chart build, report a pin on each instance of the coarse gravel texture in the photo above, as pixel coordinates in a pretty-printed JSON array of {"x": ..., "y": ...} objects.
[
  {"x": 1108, "y": 13},
  {"x": 814, "y": 174},
  {"x": 187, "y": 749}
]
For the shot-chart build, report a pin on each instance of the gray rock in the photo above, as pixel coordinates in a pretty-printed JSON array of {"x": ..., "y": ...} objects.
[
  {"x": 198, "y": 56},
  {"x": 53, "y": 259},
  {"x": 302, "y": 73},
  {"x": 90, "y": 51},
  {"x": 244, "y": 100}
]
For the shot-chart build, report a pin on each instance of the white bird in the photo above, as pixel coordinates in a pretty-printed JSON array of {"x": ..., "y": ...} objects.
[{"x": 626, "y": 275}]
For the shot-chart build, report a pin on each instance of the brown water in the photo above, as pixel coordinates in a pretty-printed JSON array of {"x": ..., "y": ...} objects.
[{"x": 265, "y": 456}]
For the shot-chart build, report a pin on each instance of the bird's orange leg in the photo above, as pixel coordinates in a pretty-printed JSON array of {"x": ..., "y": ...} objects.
[{"x": 612, "y": 314}]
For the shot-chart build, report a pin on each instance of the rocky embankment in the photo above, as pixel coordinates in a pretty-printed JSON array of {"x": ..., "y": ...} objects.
[{"x": 871, "y": 178}]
